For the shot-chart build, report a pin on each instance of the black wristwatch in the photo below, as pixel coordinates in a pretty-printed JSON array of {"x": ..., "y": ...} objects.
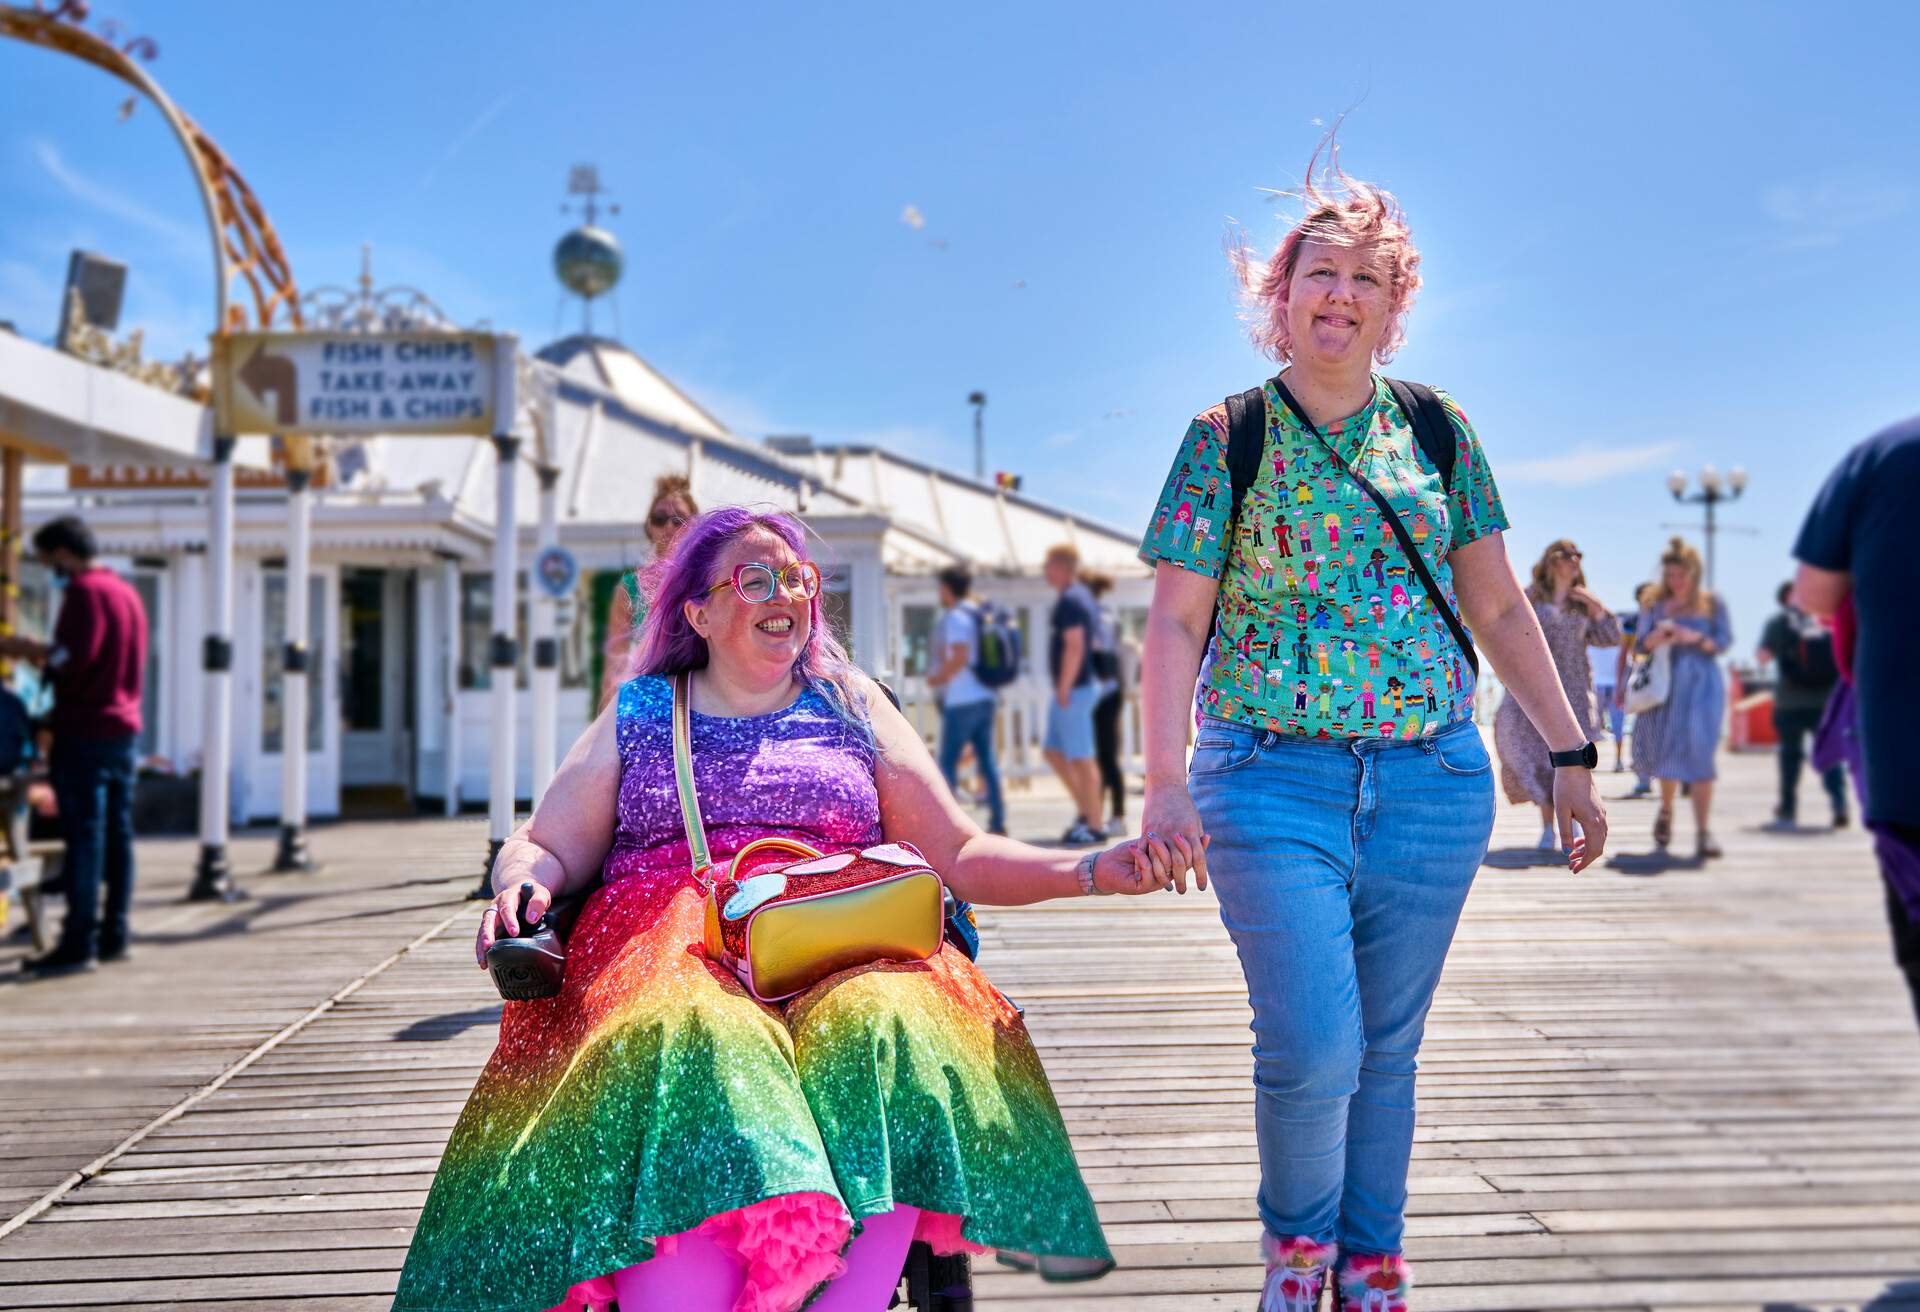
[{"x": 1586, "y": 757}]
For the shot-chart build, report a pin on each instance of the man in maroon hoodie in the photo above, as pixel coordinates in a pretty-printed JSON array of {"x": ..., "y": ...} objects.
[{"x": 95, "y": 664}]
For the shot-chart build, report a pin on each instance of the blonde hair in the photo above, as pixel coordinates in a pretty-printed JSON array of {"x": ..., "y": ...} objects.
[
  {"x": 1541, "y": 588},
  {"x": 676, "y": 486},
  {"x": 1682, "y": 553},
  {"x": 1067, "y": 554}
]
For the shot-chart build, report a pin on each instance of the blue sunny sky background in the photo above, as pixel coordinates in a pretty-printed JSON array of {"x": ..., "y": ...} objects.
[{"x": 1655, "y": 235}]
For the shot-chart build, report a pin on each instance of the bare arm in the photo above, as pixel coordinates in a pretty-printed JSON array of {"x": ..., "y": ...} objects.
[
  {"x": 916, "y": 806},
  {"x": 1176, "y": 637},
  {"x": 956, "y": 661},
  {"x": 1506, "y": 628},
  {"x": 1820, "y": 591},
  {"x": 565, "y": 842}
]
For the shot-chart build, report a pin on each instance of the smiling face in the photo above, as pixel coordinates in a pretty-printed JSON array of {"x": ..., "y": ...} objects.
[
  {"x": 1678, "y": 579},
  {"x": 754, "y": 643},
  {"x": 1339, "y": 304}
]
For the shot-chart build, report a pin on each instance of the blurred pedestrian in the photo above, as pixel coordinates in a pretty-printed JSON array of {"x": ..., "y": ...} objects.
[
  {"x": 1604, "y": 663},
  {"x": 1069, "y": 744},
  {"x": 1106, "y": 711},
  {"x": 967, "y": 706},
  {"x": 1339, "y": 791},
  {"x": 1675, "y": 742},
  {"x": 1856, "y": 547},
  {"x": 672, "y": 506},
  {"x": 1573, "y": 619},
  {"x": 1629, "y": 637},
  {"x": 96, "y": 663},
  {"x": 1800, "y": 650}
]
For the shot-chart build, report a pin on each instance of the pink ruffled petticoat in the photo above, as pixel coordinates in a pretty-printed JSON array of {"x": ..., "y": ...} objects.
[{"x": 789, "y": 1245}]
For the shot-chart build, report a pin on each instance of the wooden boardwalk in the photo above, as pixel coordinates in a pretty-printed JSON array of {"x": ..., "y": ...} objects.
[{"x": 1642, "y": 1088}]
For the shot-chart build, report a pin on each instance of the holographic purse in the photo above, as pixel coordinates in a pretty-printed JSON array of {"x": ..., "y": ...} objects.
[{"x": 783, "y": 915}]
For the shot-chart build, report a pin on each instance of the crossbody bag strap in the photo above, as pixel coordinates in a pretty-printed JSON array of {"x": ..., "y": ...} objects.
[
  {"x": 1412, "y": 553},
  {"x": 683, "y": 770}
]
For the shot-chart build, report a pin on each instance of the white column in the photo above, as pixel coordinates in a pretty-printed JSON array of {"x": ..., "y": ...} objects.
[
  {"x": 546, "y": 652},
  {"x": 503, "y": 657},
  {"x": 450, "y": 679},
  {"x": 292, "y": 855},
  {"x": 213, "y": 878}
]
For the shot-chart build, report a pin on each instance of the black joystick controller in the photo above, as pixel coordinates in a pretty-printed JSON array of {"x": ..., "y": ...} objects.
[{"x": 528, "y": 965}]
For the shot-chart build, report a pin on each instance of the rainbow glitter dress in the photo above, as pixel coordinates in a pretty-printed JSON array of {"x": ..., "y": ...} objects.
[{"x": 653, "y": 1097}]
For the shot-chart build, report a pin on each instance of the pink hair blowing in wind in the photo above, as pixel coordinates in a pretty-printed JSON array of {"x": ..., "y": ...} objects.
[{"x": 1338, "y": 210}]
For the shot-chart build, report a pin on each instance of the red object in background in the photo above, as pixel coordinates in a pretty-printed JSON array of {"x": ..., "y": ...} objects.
[
  {"x": 40, "y": 798},
  {"x": 1751, "y": 723}
]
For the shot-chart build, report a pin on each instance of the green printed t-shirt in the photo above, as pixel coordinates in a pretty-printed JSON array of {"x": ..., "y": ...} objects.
[{"x": 1322, "y": 629}]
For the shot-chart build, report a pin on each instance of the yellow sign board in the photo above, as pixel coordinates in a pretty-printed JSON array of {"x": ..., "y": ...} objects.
[{"x": 336, "y": 383}]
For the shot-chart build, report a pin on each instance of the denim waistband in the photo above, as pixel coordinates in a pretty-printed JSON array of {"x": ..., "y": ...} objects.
[{"x": 1265, "y": 738}]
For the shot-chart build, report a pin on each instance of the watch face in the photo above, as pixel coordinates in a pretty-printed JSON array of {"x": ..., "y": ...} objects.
[{"x": 1590, "y": 756}]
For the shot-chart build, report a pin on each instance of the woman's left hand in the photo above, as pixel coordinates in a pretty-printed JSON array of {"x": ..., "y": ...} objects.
[
  {"x": 1576, "y": 799},
  {"x": 1132, "y": 868}
]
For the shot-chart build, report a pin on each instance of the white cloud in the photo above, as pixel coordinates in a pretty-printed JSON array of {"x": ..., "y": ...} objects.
[
  {"x": 1817, "y": 213},
  {"x": 1586, "y": 463},
  {"x": 1058, "y": 440},
  {"x": 188, "y": 239}
]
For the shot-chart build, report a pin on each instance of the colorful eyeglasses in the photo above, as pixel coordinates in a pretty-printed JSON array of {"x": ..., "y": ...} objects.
[{"x": 758, "y": 584}]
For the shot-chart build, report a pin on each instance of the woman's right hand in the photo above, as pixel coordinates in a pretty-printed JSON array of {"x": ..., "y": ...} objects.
[
  {"x": 501, "y": 919},
  {"x": 1174, "y": 838}
]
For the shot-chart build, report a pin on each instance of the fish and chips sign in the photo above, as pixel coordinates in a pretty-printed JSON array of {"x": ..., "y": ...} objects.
[{"x": 341, "y": 384}]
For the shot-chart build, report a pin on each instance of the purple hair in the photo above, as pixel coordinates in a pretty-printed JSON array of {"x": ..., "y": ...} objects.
[{"x": 668, "y": 644}]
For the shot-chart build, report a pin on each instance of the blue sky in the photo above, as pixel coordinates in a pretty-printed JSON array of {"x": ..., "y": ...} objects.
[{"x": 1654, "y": 235}]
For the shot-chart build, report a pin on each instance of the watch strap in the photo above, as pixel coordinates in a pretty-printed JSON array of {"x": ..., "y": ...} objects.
[{"x": 1586, "y": 756}]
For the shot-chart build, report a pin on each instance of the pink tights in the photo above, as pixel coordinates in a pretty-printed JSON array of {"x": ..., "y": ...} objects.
[{"x": 700, "y": 1276}]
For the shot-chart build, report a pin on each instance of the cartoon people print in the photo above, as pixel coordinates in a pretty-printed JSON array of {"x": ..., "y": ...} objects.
[{"x": 1315, "y": 587}]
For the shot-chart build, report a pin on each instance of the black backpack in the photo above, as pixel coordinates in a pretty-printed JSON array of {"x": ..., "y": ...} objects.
[
  {"x": 996, "y": 652},
  {"x": 1432, "y": 429}
]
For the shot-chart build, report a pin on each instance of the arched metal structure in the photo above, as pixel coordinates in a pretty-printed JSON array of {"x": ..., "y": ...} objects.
[{"x": 245, "y": 246}]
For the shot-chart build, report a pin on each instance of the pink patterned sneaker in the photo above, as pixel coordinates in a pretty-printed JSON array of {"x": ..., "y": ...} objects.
[
  {"x": 1374, "y": 1283},
  {"x": 1296, "y": 1273}
]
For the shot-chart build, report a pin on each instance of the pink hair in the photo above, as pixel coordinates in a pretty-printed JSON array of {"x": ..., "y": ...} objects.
[{"x": 1340, "y": 211}]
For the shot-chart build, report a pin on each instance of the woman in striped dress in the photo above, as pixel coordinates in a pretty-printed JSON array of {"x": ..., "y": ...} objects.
[{"x": 1675, "y": 741}]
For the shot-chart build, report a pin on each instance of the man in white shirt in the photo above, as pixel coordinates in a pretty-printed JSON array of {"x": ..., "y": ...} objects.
[{"x": 966, "y": 705}]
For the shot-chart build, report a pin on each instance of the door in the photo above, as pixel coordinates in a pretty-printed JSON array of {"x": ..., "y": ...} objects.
[{"x": 375, "y": 746}]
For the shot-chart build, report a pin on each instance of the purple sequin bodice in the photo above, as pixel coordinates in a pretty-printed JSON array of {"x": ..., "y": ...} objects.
[{"x": 801, "y": 773}]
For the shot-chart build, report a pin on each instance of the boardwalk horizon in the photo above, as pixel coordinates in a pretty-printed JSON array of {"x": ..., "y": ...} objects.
[{"x": 1652, "y": 1086}]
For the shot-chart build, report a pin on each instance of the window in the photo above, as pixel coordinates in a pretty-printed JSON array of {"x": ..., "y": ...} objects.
[
  {"x": 918, "y": 625},
  {"x": 836, "y": 606},
  {"x": 273, "y": 643},
  {"x": 476, "y": 632}
]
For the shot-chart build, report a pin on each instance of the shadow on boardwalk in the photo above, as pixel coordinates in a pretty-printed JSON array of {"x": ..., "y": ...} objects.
[{"x": 1903, "y": 1297}]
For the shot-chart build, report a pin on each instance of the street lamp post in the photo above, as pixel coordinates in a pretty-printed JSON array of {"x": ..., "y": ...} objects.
[
  {"x": 978, "y": 400},
  {"x": 1713, "y": 490}
]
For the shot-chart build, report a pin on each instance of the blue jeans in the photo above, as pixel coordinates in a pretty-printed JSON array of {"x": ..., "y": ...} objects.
[
  {"x": 93, "y": 785},
  {"x": 972, "y": 722},
  {"x": 1341, "y": 868}
]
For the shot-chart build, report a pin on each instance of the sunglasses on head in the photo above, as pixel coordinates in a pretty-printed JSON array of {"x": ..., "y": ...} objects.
[{"x": 758, "y": 584}]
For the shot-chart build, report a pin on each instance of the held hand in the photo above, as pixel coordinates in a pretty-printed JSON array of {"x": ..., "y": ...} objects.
[
  {"x": 1576, "y": 798},
  {"x": 501, "y": 919},
  {"x": 1173, "y": 837}
]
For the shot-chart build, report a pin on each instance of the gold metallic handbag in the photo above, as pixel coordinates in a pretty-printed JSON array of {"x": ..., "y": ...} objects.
[{"x": 783, "y": 915}]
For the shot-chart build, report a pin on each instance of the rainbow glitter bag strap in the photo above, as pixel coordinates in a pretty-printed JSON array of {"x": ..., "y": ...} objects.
[{"x": 783, "y": 915}]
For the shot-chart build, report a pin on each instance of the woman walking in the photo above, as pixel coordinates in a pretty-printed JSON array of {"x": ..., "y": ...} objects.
[
  {"x": 1338, "y": 777},
  {"x": 1675, "y": 741},
  {"x": 1105, "y": 655},
  {"x": 672, "y": 506},
  {"x": 1573, "y": 619}
]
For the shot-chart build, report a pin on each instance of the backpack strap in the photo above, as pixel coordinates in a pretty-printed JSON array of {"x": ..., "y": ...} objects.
[
  {"x": 1246, "y": 438},
  {"x": 1432, "y": 426}
]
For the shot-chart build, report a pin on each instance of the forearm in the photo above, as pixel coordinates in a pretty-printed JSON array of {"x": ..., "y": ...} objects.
[
  {"x": 1002, "y": 872},
  {"x": 522, "y": 859},
  {"x": 1512, "y": 640},
  {"x": 1169, "y": 662}
]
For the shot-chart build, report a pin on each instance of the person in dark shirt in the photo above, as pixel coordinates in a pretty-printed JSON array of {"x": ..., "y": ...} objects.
[
  {"x": 1856, "y": 545},
  {"x": 1801, "y": 654},
  {"x": 95, "y": 663},
  {"x": 1069, "y": 742}
]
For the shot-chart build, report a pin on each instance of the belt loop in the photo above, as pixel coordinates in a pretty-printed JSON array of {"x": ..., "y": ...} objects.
[{"x": 1426, "y": 745}]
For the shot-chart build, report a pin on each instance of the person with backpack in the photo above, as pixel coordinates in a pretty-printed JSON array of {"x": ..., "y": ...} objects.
[
  {"x": 1800, "y": 649},
  {"x": 968, "y": 703},
  {"x": 1341, "y": 827}
]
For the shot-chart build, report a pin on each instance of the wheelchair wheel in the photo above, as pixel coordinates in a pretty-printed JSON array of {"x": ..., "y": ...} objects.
[{"x": 937, "y": 1284}]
